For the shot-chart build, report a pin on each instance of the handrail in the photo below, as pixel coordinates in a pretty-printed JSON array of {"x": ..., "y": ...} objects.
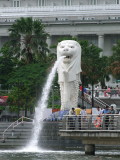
[
  {"x": 91, "y": 122},
  {"x": 97, "y": 99},
  {"x": 15, "y": 124},
  {"x": 101, "y": 101},
  {"x": 90, "y": 115}
]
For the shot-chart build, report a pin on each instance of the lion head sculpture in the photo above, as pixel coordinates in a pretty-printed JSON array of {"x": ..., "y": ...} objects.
[{"x": 71, "y": 63}]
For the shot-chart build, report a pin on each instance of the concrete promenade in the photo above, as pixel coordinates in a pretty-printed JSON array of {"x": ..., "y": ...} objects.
[{"x": 90, "y": 133}]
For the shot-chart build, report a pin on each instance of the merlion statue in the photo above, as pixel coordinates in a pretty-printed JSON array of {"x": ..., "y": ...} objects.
[{"x": 69, "y": 72}]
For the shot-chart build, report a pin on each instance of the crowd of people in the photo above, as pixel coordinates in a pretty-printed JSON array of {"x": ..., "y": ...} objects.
[
  {"x": 78, "y": 111},
  {"x": 99, "y": 92},
  {"x": 106, "y": 117},
  {"x": 112, "y": 91},
  {"x": 102, "y": 119}
]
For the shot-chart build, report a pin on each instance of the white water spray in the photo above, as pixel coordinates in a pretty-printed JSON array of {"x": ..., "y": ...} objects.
[{"x": 39, "y": 110}]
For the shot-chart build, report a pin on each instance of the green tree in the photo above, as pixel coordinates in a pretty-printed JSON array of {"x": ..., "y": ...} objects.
[
  {"x": 114, "y": 61},
  {"x": 104, "y": 73},
  {"x": 27, "y": 44},
  {"x": 7, "y": 63},
  {"x": 24, "y": 64},
  {"x": 26, "y": 84},
  {"x": 28, "y": 40},
  {"x": 94, "y": 67},
  {"x": 20, "y": 98}
]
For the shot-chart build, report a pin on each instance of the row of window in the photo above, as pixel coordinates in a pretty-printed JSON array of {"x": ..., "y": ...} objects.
[{"x": 16, "y": 3}]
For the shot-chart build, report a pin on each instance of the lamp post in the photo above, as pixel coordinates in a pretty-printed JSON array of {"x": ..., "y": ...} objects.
[
  {"x": 26, "y": 106},
  {"x": 52, "y": 98},
  {"x": 83, "y": 90},
  {"x": 92, "y": 94}
]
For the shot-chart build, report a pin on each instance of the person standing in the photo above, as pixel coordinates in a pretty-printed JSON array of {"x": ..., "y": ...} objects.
[
  {"x": 96, "y": 91},
  {"x": 83, "y": 118},
  {"x": 72, "y": 111},
  {"x": 106, "y": 112},
  {"x": 71, "y": 119},
  {"x": 78, "y": 118},
  {"x": 98, "y": 120},
  {"x": 78, "y": 110},
  {"x": 107, "y": 92},
  {"x": 112, "y": 111},
  {"x": 98, "y": 112}
]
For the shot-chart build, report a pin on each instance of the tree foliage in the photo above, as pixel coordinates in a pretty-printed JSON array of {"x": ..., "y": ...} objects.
[
  {"x": 94, "y": 67},
  {"x": 28, "y": 40},
  {"x": 7, "y": 63},
  {"x": 114, "y": 61},
  {"x": 20, "y": 98},
  {"x": 26, "y": 84},
  {"x": 24, "y": 62}
]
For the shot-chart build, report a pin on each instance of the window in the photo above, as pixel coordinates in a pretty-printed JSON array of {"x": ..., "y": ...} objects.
[
  {"x": 117, "y": 1},
  {"x": 93, "y": 2},
  {"x": 41, "y": 2},
  {"x": 67, "y": 2},
  {"x": 16, "y": 3}
]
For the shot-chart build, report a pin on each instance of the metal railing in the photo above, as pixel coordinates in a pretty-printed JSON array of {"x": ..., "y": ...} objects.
[
  {"x": 105, "y": 93},
  {"x": 100, "y": 102},
  {"x": 21, "y": 120},
  {"x": 96, "y": 99},
  {"x": 101, "y": 93},
  {"x": 91, "y": 122}
]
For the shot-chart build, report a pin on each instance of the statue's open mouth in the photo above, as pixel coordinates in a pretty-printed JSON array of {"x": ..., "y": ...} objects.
[{"x": 68, "y": 57}]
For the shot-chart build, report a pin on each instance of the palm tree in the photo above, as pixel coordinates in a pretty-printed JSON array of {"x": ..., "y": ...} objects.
[{"x": 28, "y": 40}]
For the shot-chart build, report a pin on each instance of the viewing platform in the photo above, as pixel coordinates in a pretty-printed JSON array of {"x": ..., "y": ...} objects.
[{"x": 92, "y": 130}]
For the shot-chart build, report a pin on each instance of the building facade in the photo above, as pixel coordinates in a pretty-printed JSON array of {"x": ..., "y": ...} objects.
[
  {"x": 39, "y": 3},
  {"x": 97, "y": 21}
]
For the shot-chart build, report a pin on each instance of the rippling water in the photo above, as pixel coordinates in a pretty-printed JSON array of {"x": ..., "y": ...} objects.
[{"x": 57, "y": 155}]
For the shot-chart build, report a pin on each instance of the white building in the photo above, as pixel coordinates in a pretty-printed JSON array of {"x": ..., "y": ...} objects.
[{"x": 95, "y": 20}]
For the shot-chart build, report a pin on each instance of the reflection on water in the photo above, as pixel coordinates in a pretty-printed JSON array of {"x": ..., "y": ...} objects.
[{"x": 56, "y": 155}]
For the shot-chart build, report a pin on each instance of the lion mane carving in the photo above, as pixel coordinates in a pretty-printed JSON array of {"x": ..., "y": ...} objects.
[{"x": 69, "y": 72}]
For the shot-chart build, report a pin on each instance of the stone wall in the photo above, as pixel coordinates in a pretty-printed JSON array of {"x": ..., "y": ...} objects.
[{"x": 50, "y": 138}]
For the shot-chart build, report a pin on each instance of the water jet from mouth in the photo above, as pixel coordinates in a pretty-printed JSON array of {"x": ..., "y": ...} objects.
[{"x": 39, "y": 110}]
